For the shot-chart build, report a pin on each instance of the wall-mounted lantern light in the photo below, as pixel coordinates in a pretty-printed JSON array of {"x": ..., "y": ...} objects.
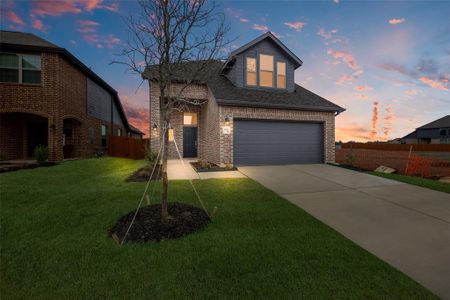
[
  {"x": 155, "y": 127},
  {"x": 227, "y": 120}
]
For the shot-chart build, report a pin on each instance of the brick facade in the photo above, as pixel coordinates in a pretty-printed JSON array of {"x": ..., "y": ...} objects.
[
  {"x": 214, "y": 145},
  {"x": 60, "y": 96},
  {"x": 226, "y": 140},
  {"x": 194, "y": 92}
]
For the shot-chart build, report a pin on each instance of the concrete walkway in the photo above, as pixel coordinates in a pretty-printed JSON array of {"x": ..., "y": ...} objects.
[
  {"x": 405, "y": 225},
  {"x": 178, "y": 171}
]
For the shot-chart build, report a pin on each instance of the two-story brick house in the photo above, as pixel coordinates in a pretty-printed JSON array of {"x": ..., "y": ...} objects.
[
  {"x": 48, "y": 97},
  {"x": 252, "y": 111}
]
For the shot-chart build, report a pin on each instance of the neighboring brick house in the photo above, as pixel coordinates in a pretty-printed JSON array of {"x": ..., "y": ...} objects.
[
  {"x": 252, "y": 111},
  {"x": 48, "y": 97},
  {"x": 436, "y": 132}
]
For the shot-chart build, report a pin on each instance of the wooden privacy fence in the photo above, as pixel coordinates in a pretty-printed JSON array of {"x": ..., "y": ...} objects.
[
  {"x": 402, "y": 161},
  {"x": 399, "y": 147},
  {"x": 129, "y": 147}
]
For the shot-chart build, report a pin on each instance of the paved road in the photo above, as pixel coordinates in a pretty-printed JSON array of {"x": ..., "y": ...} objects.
[{"x": 406, "y": 226}]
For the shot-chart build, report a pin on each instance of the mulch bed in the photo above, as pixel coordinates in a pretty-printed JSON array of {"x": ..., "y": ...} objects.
[
  {"x": 184, "y": 219},
  {"x": 9, "y": 167},
  {"x": 143, "y": 174},
  {"x": 212, "y": 167}
]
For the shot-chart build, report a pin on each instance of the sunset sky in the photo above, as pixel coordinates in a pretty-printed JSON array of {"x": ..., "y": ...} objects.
[{"x": 387, "y": 63}]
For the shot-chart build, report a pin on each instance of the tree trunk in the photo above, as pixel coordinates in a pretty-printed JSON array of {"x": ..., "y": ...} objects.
[{"x": 165, "y": 152}]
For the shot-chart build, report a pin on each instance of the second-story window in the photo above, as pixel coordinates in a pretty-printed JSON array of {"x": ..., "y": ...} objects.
[
  {"x": 281, "y": 75},
  {"x": 9, "y": 67},
  {"x": 265, "y": 70},
  {"x": 251, "y": 71},
  {"x": 31, "y": 69},
  {"x": 20, "y": 68}
]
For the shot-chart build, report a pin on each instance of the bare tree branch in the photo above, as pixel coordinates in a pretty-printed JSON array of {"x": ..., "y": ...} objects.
[{"x": 168, "y": 35}]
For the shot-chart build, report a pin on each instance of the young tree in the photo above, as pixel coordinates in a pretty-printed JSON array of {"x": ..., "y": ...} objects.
[{"x": 165, "y": 38}]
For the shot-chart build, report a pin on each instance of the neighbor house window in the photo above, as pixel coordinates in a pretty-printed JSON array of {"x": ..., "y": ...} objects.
[
  {"x": 443, "y": 132},
  {"x": 119, "y": 132},
  {"x": 104, "y": 134},
  {"x": 31, "y": 69},
  {"x": 20, "y": 68},
  {"x": 281, "y": 75},
  {"x": 266, "y": 70},
  {"x": 251, "y": 71},
  {"x": 190, "y": 119}
]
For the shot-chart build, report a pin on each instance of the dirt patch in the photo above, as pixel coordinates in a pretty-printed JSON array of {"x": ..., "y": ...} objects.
[
  {"x": 143, "y": 174},
  {"x": 184, "y": 219}
]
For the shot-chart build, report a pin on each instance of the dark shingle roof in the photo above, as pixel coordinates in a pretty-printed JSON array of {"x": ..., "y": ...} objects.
[
  {"x": 14, "y": 40},
  {"x": 25, "y": 39},
  {"x": 226, "y": 93},
  {"x": 442, "y": 122}
]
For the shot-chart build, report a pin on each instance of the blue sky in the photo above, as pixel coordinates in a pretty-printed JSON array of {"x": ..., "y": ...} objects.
[{"x": 387, "y": 63}]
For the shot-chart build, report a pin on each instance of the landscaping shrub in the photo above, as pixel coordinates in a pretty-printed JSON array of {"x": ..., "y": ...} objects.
[
  {"x": 41, "y": 153},
  {"x": 151, "y": 155}
]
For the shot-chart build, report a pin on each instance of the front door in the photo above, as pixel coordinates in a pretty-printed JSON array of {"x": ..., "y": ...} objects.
[{"x": 189, "y": 141}]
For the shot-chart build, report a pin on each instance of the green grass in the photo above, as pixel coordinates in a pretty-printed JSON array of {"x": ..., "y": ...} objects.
[
  {"x": 54, "y": 243},
  {"x": 423, "y": 182}
]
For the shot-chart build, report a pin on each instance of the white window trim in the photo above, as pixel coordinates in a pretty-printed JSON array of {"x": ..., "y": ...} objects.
[{"x": 20, "y": 68}]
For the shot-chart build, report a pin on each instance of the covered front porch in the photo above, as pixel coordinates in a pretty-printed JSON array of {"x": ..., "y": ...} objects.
[{"x": 22, "y": 132}]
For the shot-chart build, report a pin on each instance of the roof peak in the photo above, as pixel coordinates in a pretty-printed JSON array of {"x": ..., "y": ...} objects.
[
  {"x": 441, "y": 122},
  {"x": 268, "y": 34}
]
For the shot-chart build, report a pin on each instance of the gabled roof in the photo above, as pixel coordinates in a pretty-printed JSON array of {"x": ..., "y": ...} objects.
[
  {"x": 17, "y": 41},
  {"x": 227, "y": 93},
  {"x": 442, "y": 122},
  {"x": 411, "y": 135},
  {"x": 269, "y": 35},
  {"x": 24, "y": 39}
]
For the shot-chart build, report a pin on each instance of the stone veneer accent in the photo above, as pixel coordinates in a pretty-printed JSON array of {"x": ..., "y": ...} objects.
[{"x": 214, "y": 145}]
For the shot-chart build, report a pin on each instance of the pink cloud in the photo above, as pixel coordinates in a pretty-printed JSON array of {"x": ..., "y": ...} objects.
[
  {"x": 388, "y": 119},
  {"x": 374, "y": 131},
  {"x": 111, "y": 40},
  {"x": 362, "y": 88},
  {"x": 58, "y": 8},
  {"x": 243, "y": 20},
  {"x": 363, "y": 97},
  {"x": 327, "y": 34},
  {"x": 260, "y": 27},
  {"x": 89, "y": 34},
  {"x": 87, "y": 23},
  {"x": 396, "y": 21},
  {"x": 344, "y": 79},
  {"x": 138, "y": 117},
  {"x": 434, "y": 83},
  {"x": 410, "y": 92},
  {"x": 14, "y": 18},
  {"x": 37, "y": 24},
  {"x": 297, "y": 26},
  {"x": 346, "y": 57}
]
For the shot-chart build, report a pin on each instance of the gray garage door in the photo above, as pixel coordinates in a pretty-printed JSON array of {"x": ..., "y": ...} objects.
[{"x": 272, "y": 143}]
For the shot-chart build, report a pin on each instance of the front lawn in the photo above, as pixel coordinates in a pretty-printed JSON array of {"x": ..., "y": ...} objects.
[
  {"x": 423, "y": 182},
  {"x": 54, "y": 243}
]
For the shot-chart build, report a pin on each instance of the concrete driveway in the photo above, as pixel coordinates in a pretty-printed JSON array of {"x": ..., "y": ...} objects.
[{"x": 406, "y": 226}]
